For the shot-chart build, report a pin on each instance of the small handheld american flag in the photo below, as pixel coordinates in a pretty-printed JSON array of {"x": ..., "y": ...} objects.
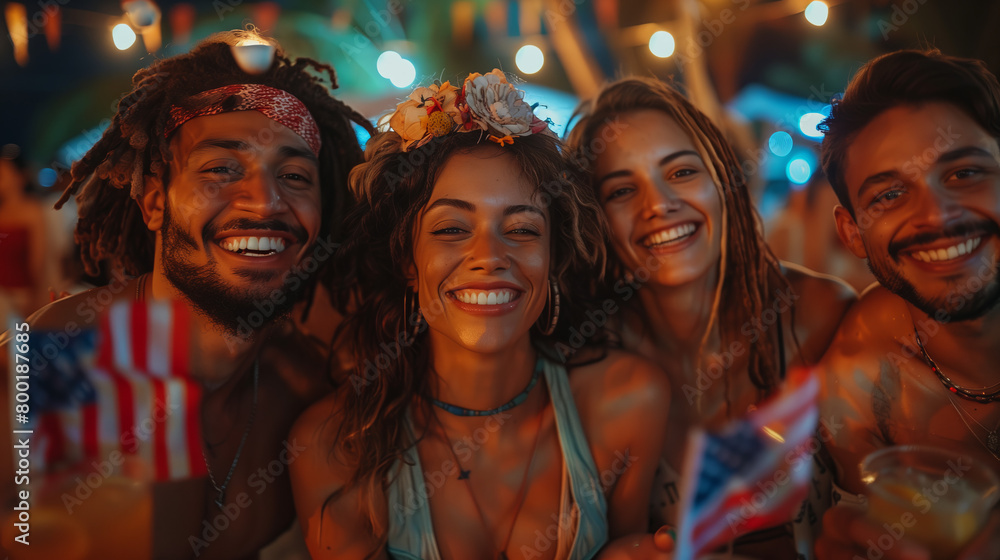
[
  {"x": 123, "y": 387},
  {"x": 752, "y": 474}
]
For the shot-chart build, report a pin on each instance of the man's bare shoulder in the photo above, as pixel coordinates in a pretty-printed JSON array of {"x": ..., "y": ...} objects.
[
  {"x": 79, "y": 310},
  {"x": 876, "y": 324}
]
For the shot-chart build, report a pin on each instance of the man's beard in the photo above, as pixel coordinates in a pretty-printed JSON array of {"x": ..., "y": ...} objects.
[
  {"x": 960, "y": 303},
  {"x": 227, "y": 307}
]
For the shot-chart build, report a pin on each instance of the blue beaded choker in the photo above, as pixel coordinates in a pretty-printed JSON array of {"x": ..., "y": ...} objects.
[{"x": 520, "y": 398}]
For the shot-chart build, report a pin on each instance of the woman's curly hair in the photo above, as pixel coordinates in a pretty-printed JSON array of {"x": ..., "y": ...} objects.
[{"x": 393, "y": 187}]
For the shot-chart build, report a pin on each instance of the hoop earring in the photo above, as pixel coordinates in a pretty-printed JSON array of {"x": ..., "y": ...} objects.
[
  {"x": 553, "y": 308},
  {"x": 411, "y": 305}
]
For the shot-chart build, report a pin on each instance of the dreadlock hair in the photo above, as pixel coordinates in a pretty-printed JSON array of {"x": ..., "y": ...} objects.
[
  {"x": 110, "y": 226},
  {"x": 907, "y": 77},
  {"x": 390, "y": 370},
  {"x": 749, "y": 274}
]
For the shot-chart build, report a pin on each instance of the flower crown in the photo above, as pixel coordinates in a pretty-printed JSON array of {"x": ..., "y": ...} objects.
[{"x": 487, "y": 103}]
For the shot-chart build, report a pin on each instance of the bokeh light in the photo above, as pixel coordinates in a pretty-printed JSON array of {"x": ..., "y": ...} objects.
[
  {"x": 798, "y": 171},
  {"x": 817, "y": 12},
  {"x": 661, "y": 44},
  {"x": 809, "y": 122},
  {"x": 387, "y": 63},
  {"x": 529, "y": 59},
  {"x": 780, "y": 143},
  {"x": 123, "y": 36},
  {"x": 403, "y": 73},
  {"x": 47, "y": 177}
]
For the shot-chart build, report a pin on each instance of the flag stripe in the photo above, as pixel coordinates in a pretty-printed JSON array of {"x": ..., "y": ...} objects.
[
  {"x": 126, "y": 388},
  {"x": 160, "y": 451},
  {"x": 193, "y": 422},
  {"x": 123, "y": 389}
]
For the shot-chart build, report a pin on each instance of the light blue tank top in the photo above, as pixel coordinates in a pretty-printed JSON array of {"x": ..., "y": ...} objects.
[{"x": 583, "y": 517}]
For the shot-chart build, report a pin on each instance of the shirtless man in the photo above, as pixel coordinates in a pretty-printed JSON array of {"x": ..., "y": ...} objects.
[
  {"x": 221, "y": 189},
  {"x": 912, "y": 153}
]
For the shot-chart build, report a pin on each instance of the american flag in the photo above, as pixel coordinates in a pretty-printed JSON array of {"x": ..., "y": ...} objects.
[
  {"x": 752, "y": 474},
  {"x": 126, "y": 387}
]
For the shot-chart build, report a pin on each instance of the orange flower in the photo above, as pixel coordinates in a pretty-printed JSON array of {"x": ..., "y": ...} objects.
[{"x": 410, "y": 118}]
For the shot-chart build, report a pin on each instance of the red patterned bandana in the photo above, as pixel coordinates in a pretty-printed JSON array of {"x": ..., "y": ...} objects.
[{"x": 275, "y": 104}]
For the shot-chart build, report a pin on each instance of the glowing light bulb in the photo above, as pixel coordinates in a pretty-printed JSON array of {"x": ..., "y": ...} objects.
[
  {"x": 123, "y": 36},
  {"x": 253, "y": 55},
  {"x": 529, "y": 59},
  {"x": 661, "y": 44},
  {"x": 817, "y": 12}
]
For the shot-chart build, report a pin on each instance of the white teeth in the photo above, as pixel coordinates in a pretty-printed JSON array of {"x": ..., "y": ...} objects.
[
  {"x": 948, "y": 253},
  {"x": 475, "y": 297},
  {"x": 258, "y": 244},
  {"x": 671, "y": 234}
]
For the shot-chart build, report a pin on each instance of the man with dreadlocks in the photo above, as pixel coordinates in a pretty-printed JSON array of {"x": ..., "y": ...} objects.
[{"x": 222, "y": 189}]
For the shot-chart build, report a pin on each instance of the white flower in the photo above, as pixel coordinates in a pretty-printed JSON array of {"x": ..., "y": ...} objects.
[{"x": 497, "y": 106}]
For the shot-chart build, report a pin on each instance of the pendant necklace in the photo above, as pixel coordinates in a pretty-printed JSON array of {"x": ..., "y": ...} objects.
[
  {"x": 992, "y": 443},
  {"x": 221, "y": 489},
  {"x": 501, "y": 553}
]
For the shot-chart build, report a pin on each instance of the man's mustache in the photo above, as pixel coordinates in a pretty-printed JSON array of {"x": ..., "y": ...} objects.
[
  {"x": 964, "y": 229},
  {"x": 213, "y": 231}
]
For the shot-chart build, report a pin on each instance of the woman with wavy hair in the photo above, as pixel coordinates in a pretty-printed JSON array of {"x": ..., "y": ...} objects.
[
  {"x": 702, "y": 294},
  {"x": 458, "y": 432}
]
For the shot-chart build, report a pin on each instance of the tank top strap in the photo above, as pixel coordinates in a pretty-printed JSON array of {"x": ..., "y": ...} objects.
[
  {"x": 585, "y": 481},
  {"x": 411, "y": 531}
]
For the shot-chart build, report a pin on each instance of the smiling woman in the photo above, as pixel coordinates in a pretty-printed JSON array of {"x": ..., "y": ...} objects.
[
  {"x": 700, "y": 289},
  {"x": 473, "y": 247}
]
